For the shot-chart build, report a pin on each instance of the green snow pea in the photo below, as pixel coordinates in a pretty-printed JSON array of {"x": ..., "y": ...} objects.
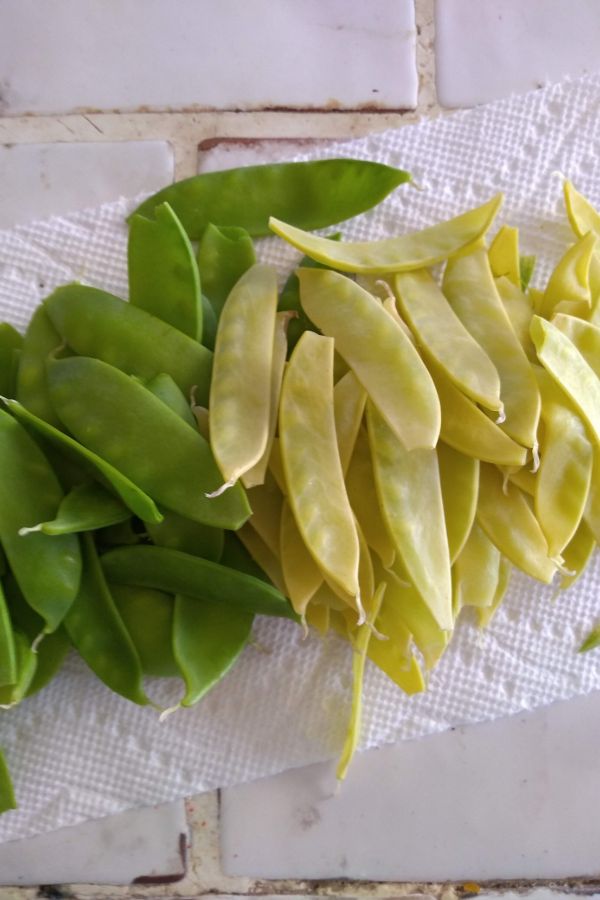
[
  {"x": 307, "y": 194},
  {"x": 8, "y": 659},
  {"x": 154, "y": 447},
  {"x": 10, "y": 341},
  {"x": 86, "y": 507},
  {"x": 7, "y": 794},
  {"x": 148, "y": 617},
  {"x": 47, "y": 568},
  {"x": 132, "y": 496},
  {"x": 182, "y": 573},
  {"x": 224, "y": 254},
  {"x": 163, "y": 387},
  {"x": 41, "y": 339},
  {"x": 51, "y": 652},
  {"x": 97, "y": 631},
  {"x": 209, "y": 323},
  {"x": 94, "y": 323},
  {"x": 162, "y": 270},
  {"x": 179, "y": 533},
  {"x": 26, "y": 660},
  {"x": 235, "y": 556},
  {"x": 208, "y": 637}
]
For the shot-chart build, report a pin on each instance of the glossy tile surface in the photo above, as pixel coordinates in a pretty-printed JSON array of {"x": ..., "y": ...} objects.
[
  {"x": 517, "y": 798},
  {"x": 40, "y": 180},
  {"x": 131, "y": 54},
  {"x": 489, "y": 49},
  {"x": 147, "y": 845}
]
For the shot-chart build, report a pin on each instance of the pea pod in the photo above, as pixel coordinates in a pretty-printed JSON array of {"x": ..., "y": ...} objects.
[
  {"x": 362, "y": 493},
  {"x": 301, "y": 574},
  {"x": 584, "y": 218},
  {"x": 163, "y": 387},
  {"x": 418, "y": 250},
  {"x": 519, "y": 309},
  {"x": 406, "y": 605},
  {"x": 526, "y": 270},
  {"x": 504, "y": 255},
  {"x": 41, "y": 339},
  {"x": 162, "y": 271},
  {"x": 147, "y": 615},
  {"x": 154, "y": 448},
  {"x": 393, "y": 374},
  {"x": 475, "y": 572},
  {"x": 179, "y": 533},
  {"x": 7, "y": 794},
  {"x": 266, "y": 501},
  {"x": 568, "y": 289},
  {"x": 98, "y": 633},
  {"x": 224, "y": 254},
  {"x": 94, "y": 323},
  {"x": 263, "y": 556},
  {"x": 208, "y": 637},
  {"x": 47, "y": 568},
  {"x": 86, "y": 507},
  {"x": 313, "y": 473},
  {"x": 408, "y": 482},
  {"x": 241, "y": 385},
  {"x": 10, "y": 342},
  {"x": 486, "y": 613},
  {"x": 510, "y": 524},
  {"x": 309, "y": 194},
  {"x": 132, "y": 496},
  {"x": 8, "y": 659},
  {"x": 26, "y": 660},
  {"x": 459, "y": 480},
  {"x": 349, "y": 399},
  {"x": 181, "y": 573},
  {"x": 577, "y": 554},
  {"x": 470, "y": 288},
  {"x": 442, "y": 335}
]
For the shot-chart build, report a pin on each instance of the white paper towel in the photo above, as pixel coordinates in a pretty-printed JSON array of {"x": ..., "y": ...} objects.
[{"x": 77, "y": 751}]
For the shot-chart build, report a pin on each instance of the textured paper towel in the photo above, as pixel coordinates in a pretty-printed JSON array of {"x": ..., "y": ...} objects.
[{"x": 77, "y": 751}]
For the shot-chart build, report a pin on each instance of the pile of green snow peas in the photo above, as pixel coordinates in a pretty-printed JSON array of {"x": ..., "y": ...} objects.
[{"x": 368, "y": 451}]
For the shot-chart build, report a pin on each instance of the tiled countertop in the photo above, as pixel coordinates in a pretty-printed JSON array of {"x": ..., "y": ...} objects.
[{"x": 113, "y": 97}]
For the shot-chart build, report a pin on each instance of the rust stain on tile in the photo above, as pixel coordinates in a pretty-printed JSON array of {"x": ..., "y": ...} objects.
[{"x": 168, "y": 878}]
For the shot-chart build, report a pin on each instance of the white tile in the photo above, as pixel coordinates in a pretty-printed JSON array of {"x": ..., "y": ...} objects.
[
  {"x": 40, "y": 180},
  {"x": 144, "y": 845},
  {"x": 516, "y": 798},
  {"x": 126, "y": 54},
  {"x": 227, "y": 153},
  {"x": 487, "y": 49}
]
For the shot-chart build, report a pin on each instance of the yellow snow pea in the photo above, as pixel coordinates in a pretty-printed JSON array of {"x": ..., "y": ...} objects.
[
  {"x": 362, "y": 494},
  {"x": 266, "y": 501},
  {"x": 311, "y": 463},
  {"x": 469, "y": 285},
  {"x": 475, "y": 572},
  {"x": 262, "y": 555},
  {"x": 577, "y": 554},
  {"x": 301, "y": 574},
  {"x": 411, "y": 609},
  {"x": 519, "y": 310},
  {"x": 408, "y": 483},
  {"x": 584, "y": 218},
  {"x": 504, "y": 255},
  {"x": 441, "y": 334},
  {"x": 509, "y": 522},
  {"x": 459, "y": 479},
  {"x": 241, "y": 382},
  {"x": 378, "y": 352},
  {"x": 486, "y": 613},
  {"x": 349, "y": 398},
  {"x": 568, "y": 289},
  {"x": 564, "y": 476},
  {"x": 397, "y": 254}
]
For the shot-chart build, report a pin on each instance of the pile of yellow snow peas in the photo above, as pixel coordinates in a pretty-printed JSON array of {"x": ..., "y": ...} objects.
[{"x": 367, "y": 452}]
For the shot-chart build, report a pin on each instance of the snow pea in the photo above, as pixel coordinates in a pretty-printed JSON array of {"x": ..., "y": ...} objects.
[
  {"x": 526, "y": 270},
  {"x": 519, "y": 309},
  {"x": 162, "y": 271},
  {"x": 568, "y": 289},
  {"x": 441, "y": 334},
  {"x": 362, "y": 493},
  {"x": 41, "y": 339},
  {"x": 584, "y": 218},
  {"x": 94, "y": 323},
  {"x": 8, "y": 659},
  {"x": 10, "y": 341},
  {"x": 266, "y": 501},
  {"x": 154, "y": 447},
  {"x": 209, "y": 323},
  {"x": 257, "y": 474},
  {"x": 86, "y": 507},
  {"x": 349, "y": 399},
  {"x": 263, "y": 556},
  {"x": 51, "y": 652},
  {"x": 486, "y": 613},
  {"x": 132, "y": 496},
  {"x": 309, "y": 194},
  {"x": 470, "y": 288},
  {"x": 26, "y": 661},
  {"x": 408, "y": 482},
  {"x": 564, "y": 477},
  {"x": 7, "y": 794},
  {"x": 224, "y": 254},
  {"x": 97, "y": 632},
  {"x": 301, "y": 574},
  {"x": 459, "y": 480},
  {"x": 47, "y": 568},
  {"x": 503, "y": 255},
  {"x": 163, "y": 387},
  {"x": 409, "y": 607},
  {"x": 569, "y": 367},
  {"x": 387, "y": 365},
  {"x": 208, "y": 637},
  {"x": 180, "y": 573},
  {"x": 240, "y": 391},
  {"x": 475, "y": 572},
  {"x": 507, "y": 519},
  {"x": 147, "y": 614},
  {"x": 179, "y": 533},
  {"x": 417, "y": 250},
  {"x": 577, "y": 554},
  {"x": 467, "y": 429},
  {"x": 313, "y": 473}
]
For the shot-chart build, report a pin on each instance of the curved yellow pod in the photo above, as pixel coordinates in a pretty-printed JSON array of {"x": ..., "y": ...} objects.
[{"x": 397, "y": 254}]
